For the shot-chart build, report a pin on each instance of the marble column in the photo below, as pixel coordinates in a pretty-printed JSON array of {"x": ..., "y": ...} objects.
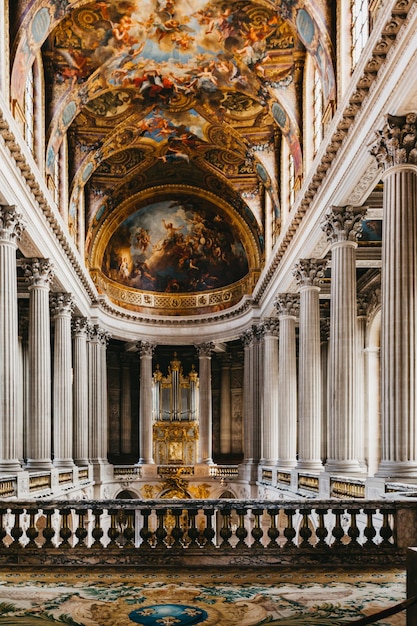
[
  {"x": 97, "y": 395},
  {"x": 360, "y": 385},
  {"x": 396, "y": 151},
  {"x": 146, "y": 351},
  {"x": 324, "y": 370},
  {"x": 205, "y": 403},
  {"x": 270, "y": 435},
  {"x": 225, "y": 405},
  {"x": 62, "y": 305},
  {"x": 308, "y": 273},
  {"x": 80, "y": 333},
  {"x": 248, "y": 397},
  {"x": 342, "y": 226},
  {"x": 11, "y": 226},
  {"x": 39, "y": 274},
  {"x": 287, "y": 305}
]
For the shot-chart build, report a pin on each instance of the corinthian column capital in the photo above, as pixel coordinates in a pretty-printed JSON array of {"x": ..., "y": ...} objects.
[
  {"x": 396, "y": 142},
  {"x": 98, "y": 335},
  {"x": 80, "y": 326},
  {"x": 309, "y": 272},
  {"x": 287, "y": 304},
  {"x": 343, "y": 223},
  {"x": 145, "y": 348},
  {"x": 11, "y": 224},
  {"x": 61, "y": 303},
  {"x": 38, "y": 272},
  {"x": 271, "y": 326},
  {"x": 205, "y": 349}
]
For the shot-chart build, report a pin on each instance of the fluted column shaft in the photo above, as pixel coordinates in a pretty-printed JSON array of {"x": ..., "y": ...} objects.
[
  {"x": 61, "y": 306},
  {"x": 342, "y": 226},
  {"x": 396, "y": 151},
  {"x": 80, "y": 390},
  {"x": 225, "y": 406},
  {"x": 248, "y": 397},
  {"x": 39, "y": 445},
  {"x": 145, "y": 403},
  {"x": 308, "y": 273},
  {"x": 205, "y": 403},
  {"x": 10, "y": 230},
  {"x": 399, "y": 320},
  {"x": 287, "y": 307},
  {"x": 97, "y": 395},
  {"x": 270, "y": 394}
]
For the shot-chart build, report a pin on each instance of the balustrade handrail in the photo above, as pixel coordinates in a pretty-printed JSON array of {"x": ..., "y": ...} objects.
[{"x": 255, "y": 532}]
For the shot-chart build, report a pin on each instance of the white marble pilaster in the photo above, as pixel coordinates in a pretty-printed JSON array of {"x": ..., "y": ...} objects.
[
  {"x": 248, "y": 397},
  {"x": 342, "y": 226},
  {"x": 308, "y": 273},
  {"x": 39, "y": 274},
  {"x": 62, "y": 305},
  {"x": 396, "y": 151},
  {"x": 361, "y": 387},
  {"x": 270, "y": 435},
  {"x": 205, "y": 403},
  {"x": 80, "y": 330},
  {"x": 287, "y": 305},
  {"x": 324, "y": 368},
  {"x": 146, "y": 351},
  {"x": 11, "y": 226},
  {"x": 97, "y": 395}
]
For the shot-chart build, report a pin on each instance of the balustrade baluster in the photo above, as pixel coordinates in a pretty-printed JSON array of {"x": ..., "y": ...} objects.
[
  {"x": 17, "y": 531},
  {"x": 145, "y": 532},
  {"x": 273, "y": 532},
  {"x": 305, "y": 530},
  {"x": 338, "y": 532},
  {"x": 81, "y": 532},
  {"x": 257, "y": 532},
  {"x": 353, "y": 531},
  {"x": 193, "y": 533},
  {"x": 160, "y": 532},
  {"x": 241, "y": 532},
  {"x": 65, "y": 530},
  {"x": 97, "y": 532},
  {"x": 113, "y": 532},
  {"x": 370, "y": 530},
  {"x": 225, "y": 531},
  {"x": 32, "y": 531},
  {"x": 289, "y": 530},
  {"x": 386, "y": 531},
  {"x": 177, "y": 531},
  {"x": 129, "y": 531},
  {"x": 321, "y": 530},
  {"x": 209, "y": 533},
  {"x": 48, "y": 532}
]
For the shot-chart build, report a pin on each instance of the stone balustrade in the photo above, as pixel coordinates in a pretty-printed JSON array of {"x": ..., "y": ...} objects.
[{"x": 207, "y": 532}]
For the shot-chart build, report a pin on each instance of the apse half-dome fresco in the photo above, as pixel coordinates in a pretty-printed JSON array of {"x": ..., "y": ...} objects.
[{"x": 174, "y": 246}]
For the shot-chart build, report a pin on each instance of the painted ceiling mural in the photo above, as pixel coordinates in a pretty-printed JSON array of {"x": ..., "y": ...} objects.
[{"x": 152, "y": 93}]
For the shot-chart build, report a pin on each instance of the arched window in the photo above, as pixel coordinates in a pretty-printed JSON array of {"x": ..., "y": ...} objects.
[{"x": 360, "y": 28}]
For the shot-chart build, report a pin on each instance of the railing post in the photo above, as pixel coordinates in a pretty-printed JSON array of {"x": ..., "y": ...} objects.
[
  {"x": 97, "y": 531},
  {"x": 241, "y": 532},
  {"x": 160, "y": 532},
  {"x": 289, "y": 531},
  {"x": 321, "y": 530},
  {"x": 369, "y": 531},
  {"x": 31, "y": 532},
  {"x": 113, "y": 532},
  {"x": 17, "y": 531},
  {"x": 48, "y": 532},
  {"x": 192, "y": 530},
  {"x": 81, "y": 532},
  {"x": 305, "y": 531},
  {"x": 145, "y": 533},
  {"x": 257, "y": 532},
  {"x": 209, "y": 532},
  {"x": 225, "y": 531},
  {"x": 65, "y": 531}
]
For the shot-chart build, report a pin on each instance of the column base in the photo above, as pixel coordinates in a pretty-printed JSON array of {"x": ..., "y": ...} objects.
[
  {"x": 39, "y": 465},
  {"x": 143, "y": 461},
  {"x": 10, "y": 466},
  {"x": 310, "y": 466},
  {"x": 398, "y": 470},
  {"x": 343, "y": 468},
  {"x": 286, "y": 464},
  {"x": 64, "y": 464}
]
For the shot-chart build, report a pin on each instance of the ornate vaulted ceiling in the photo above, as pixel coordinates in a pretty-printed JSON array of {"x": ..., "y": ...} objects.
[{"x": 173, "y": 112}]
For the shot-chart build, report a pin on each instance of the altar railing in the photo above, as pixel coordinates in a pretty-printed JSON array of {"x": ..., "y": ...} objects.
[{"x": 206, "y": 532}]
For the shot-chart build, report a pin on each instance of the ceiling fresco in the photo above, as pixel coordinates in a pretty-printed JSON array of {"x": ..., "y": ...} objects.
[{"x": 156, "y": 93}]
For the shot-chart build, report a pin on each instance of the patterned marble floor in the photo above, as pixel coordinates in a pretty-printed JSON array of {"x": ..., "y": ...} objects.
[{"x": 186, "y": 597}]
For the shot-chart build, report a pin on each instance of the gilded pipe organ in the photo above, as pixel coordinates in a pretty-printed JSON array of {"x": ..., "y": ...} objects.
[{"x": 175, "y": 415}]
